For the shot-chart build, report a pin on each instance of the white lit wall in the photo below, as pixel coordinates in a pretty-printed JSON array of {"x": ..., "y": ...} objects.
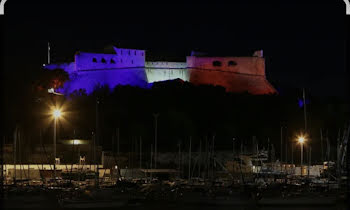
[{"x": 161, "y": 71}]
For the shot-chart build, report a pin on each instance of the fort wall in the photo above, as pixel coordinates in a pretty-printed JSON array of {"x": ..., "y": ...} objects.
[
  {"x": 88, "y": 80},
  {"x": 128, "y": 67},
  {"x": 239, "y": 65},
  {"x": 121, "y": 59},
  {"x": 161, "y": 71},
  {"x": 236, "y": 74}
]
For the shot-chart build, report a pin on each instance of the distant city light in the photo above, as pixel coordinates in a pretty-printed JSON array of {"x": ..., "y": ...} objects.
[{"x": 76, "y": 142}]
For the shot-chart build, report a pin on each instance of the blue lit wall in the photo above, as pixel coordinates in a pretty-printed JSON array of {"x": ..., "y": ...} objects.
[
  {"x": 89, "y": 79},
  {"x": 123, "y": 58},
  {"x": 124, "y": 67}
]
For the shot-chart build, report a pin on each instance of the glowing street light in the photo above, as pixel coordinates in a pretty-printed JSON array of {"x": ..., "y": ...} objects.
[
  {"x": 56, "y": 113},
  {"x": 301, "y": 139}
]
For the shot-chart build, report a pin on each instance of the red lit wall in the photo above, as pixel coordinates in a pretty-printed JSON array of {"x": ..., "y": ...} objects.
[{"x": 236, "y": 74}]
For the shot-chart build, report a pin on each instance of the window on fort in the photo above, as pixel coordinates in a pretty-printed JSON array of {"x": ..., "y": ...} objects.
[
  {"x": 112, "y": 61},
  {"x": 129, "y": 52},
  {"x": 103, "y": 60},
  {"x": 132, "y": 61},
  {"x": 135, "y": 52},
  {"x": 216, "y": 63},
  {"x": 121, "y": 60},
  {"x": 232, "y": 63},
  {"x": 141, "y": 54},
  {"x": 94, "y": 60}
]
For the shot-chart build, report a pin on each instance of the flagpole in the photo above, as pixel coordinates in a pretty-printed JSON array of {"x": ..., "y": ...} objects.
[
  {"x": 304, "y": 110},
  {"x": 48, "y": 52}
]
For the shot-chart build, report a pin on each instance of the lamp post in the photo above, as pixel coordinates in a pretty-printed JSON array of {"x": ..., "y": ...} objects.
[
  {"x": 155, "y": 138},
  {"x": 301, "y": 140},
  {"x": 56, "y": 115}
]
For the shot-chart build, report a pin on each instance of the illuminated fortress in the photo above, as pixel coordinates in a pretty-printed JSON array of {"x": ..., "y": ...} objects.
[{"x": 129, "y": 67}]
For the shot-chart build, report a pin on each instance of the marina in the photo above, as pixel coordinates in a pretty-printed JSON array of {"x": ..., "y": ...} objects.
[
  {"x": 248, "y": 180},
  {"x": 123, "y": 193},
  {"x": 222, "y": 106}
]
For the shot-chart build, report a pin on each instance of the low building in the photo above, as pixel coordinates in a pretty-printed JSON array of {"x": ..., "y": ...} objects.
[
  {"x": 39, "y": 171},
  {"x": 68, "y": 151}
]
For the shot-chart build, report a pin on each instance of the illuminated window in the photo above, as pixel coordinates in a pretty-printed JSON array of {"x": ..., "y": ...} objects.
[
  {"x": 94, "y": 60},
  {"x": 232, "y": 63},
  {"x": 112, "y": 61},
  {"x": 103, "y": 60},
  {"x": 216, "y": 63}
]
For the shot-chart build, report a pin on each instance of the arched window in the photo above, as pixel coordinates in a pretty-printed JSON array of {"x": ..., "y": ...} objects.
[
  {"x": 132, "y": 61},
  {"x": 94, "y": 60},
  {"x": 216, "y": 63},
  {"x": 135, "y": 52},
  {"x": 103, "y": 60},
  {"x": 232, "y": 63},
  {"x": 141, "y": 54},
  {"x": 129, "y": 52},
  {"x": 112, "y": 61},
  {"x": 121, "y": 60}
]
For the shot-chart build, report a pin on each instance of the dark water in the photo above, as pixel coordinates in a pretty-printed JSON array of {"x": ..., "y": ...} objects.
[
  {"x": 165, "y": 205},
  {"x": 212, "y": 207},
  {"x": 171, "y": 206},
  {"x": 158, "y": 206},
  {"x": 200, "y": 207}
]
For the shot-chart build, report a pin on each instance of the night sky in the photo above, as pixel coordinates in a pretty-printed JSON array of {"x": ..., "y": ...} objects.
[{"x": 304, "y": 44}]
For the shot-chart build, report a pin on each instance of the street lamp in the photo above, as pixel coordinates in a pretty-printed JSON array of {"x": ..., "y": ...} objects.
[
  {"x": 301, "y": 140},
  {"x": 155, "y": 115},
  {"x": 56, "y": 114}
]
